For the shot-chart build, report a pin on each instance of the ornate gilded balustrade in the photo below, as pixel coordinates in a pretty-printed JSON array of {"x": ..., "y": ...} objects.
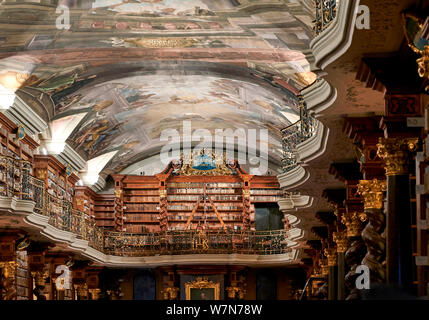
[
  {"x": 196, "y": 242},
  {"x": 326, "y": 12},
  {"x": 16, "y": 181},
  {"x": 295, "y": 134}
]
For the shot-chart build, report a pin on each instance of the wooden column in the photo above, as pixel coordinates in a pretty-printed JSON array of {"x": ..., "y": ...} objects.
[
  {"x": 372, "y": 192},
  {"x": 331, "y": 254},
  {"x": 340, "y": 238},
  {"x": 119, "y": 203},
  {"x": 395, "y": 153}
]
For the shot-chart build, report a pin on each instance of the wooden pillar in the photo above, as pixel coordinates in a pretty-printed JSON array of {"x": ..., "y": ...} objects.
[
  {"x": 340, "y": 238},
  {"x": 372, "y": 192},
  {"x": 331, "y": 254},
  {"x": 395, "y": 153}
]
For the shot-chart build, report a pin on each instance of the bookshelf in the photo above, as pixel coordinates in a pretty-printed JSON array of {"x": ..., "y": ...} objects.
[
  {"x": 16, "y": 157},
  {"x": 175, "y": 201},
  {"x": 58, "y": 182}
]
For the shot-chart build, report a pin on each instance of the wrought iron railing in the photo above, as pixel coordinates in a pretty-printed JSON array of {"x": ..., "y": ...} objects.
[
  {"x": 197, "y": 241},
  {"x": 326, "y": 12},
  {"x": 17, "y": 182},
  {"x": 295, "y": 134}
]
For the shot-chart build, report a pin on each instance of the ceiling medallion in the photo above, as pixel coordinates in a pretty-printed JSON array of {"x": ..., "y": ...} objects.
[
  {"x": 156, "y": 43},
  {"x": 203, "y": 164}
]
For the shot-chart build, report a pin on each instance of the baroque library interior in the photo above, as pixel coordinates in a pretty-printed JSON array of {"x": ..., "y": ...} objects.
[{"x": 223, "y": 150}]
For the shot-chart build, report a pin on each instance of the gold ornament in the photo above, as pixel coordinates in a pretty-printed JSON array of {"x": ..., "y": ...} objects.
[
  {"x": 395, "y": 153},
  {"x": 170, "y": 293},
  {"x": 9, "y": 268},
  {"x": 202, "y": 283},
  {"x": 331, "y": 254},
  {"x": 340, "y": 238},
  {"x": 118, "y": 193},
  {"x": 352, "y": 222},
  {"x": 372, "y": 193}
]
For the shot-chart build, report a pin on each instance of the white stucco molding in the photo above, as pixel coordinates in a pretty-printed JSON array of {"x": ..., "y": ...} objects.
[
  {"x": 69, "y": 155},
  {"x": 307, "y": 151},
  {"x": 99, "y": 185},
  {"x": 294, "y": 202},
  {"x": 12, "y": 204},
  {"x": 333, "y": 42},
  {"x": 319, "y": 96},
  {"x": 21, "y": 113}
]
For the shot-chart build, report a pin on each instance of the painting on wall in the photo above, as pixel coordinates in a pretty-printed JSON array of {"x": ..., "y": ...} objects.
[{"x": 202, "y": 289}]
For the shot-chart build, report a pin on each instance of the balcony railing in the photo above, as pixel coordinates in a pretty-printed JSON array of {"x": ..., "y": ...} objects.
[
  {"x": 295, "y": 134},
  {"x": 18, "y": 183},
  {"x": 195, "y": 241},
  {"x": 326, "y": 12}
]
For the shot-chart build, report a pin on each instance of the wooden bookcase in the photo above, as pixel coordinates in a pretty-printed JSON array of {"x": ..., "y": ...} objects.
[
  {"x": 84, "y": 200},
  {"x": 104, "y": 210},
  {"x": 57, "y": 183},
  {"x": 180, "y": 202},
  {"x": 16, "y": 158}
]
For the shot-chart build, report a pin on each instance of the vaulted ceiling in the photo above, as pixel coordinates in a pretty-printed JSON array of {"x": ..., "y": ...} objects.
[{"x": 127, "y": 70}]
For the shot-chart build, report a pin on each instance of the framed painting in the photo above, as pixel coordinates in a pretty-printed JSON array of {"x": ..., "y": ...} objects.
[{"x": 202, "y": 289}]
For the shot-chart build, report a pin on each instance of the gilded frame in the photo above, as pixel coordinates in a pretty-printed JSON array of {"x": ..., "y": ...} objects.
[{"x": 202, "y": 283}]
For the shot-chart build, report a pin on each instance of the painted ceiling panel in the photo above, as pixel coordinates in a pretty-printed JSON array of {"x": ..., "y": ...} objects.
[
  {"x": 131, "y": 113},
  {"x": 135, "y": 68}
]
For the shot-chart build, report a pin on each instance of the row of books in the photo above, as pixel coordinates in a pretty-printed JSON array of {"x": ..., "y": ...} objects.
[
  {"x": 202, "y": 184},
  {"x": 208, "y": 207},
  {"x": 141, "y": 218},
  {"x": 141, "y": 199},
  {"x": 143, "y": 192},
  {"x": 196, "y": 197},
  {"x": 200, "y": 191},
  {"x": 142, "y": 207},
  {"x": 265, "y": 198},
  {"x": 266, "y": 191},
  {"x": 208, "y": 217}
]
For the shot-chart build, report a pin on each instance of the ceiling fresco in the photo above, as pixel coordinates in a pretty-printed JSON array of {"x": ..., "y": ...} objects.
[
  {"x": 129, "y": 114},
  {"x": 154, "y": 64}
]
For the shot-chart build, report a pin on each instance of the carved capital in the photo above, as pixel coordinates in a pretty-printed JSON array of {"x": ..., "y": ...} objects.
[
  {"x": 340, "y": 238},
  {"x": 331, "y": 254},
  {"x": 395, "y": 154},
  {"x": 170, "y": 293},
  {"x": 324, "y": 267},
  {"x": 372, "y": 193},
  {"x": 352, "y": 222},
  {"x": 9, "y": 268},
  {"x": 163, "y": 194},
  {"x": 118, "y": 193}
]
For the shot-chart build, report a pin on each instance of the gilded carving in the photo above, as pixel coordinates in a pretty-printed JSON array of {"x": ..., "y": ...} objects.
[
  {"x": 395, "y": 153},
  {"x": 340, "y": 238},
  {"x": 170, "y": 293},
  {"x": 331, "y": 254},
  {"x": 372, "y": 193},
  {"x": 118, "y": 193},
  {"x": 352, "y": 222},
  {"x": 163, "y": 193},
  {"x": 202, "y": 283}
]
